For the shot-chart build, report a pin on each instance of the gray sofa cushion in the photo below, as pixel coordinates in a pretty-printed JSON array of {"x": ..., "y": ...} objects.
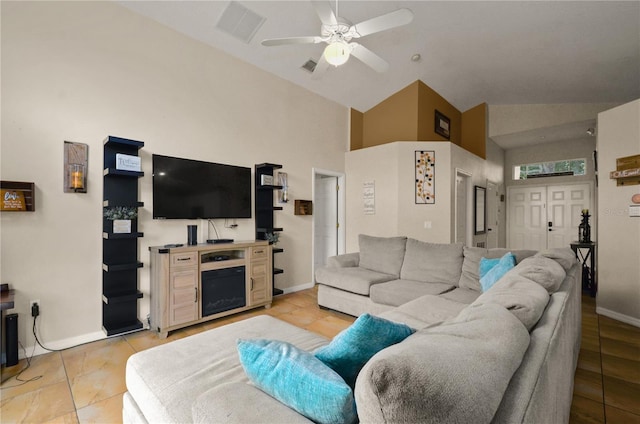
[
  {"x": 563, "y": 255},
  {"x": 544, "y": 271},
  {"x": 455, "y": 372},
  {"x": 165, "y": 393},
  {"x": 424, "y": 311},
  {"x": 227, "y": 403},
  {"x": 398, "y": 292},
  {"x": 461, "y": 295},
  {"x": 470, "y": 278},
  {"x": 352, "y": 279},
  {"x": 432, "y": 262},
  {"x": 524, "y": 298},
  {"x": 382, "y": 254}
]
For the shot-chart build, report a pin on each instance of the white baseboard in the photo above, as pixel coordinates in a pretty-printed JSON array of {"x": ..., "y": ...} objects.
[
  {"x": 66, "y": 343},
  {"x": 618, "y": 316},
  {"x": 298, "y": 288}
]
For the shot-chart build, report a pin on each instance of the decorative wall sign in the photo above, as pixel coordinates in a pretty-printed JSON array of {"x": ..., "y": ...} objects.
[
  {"x": 369, "y": 197},
  {"x": 442, "y": 125},
  {"x": 76, "y": 156},
  {"x": 425, "y": 162},
  {"x": 12, "y": 200}
]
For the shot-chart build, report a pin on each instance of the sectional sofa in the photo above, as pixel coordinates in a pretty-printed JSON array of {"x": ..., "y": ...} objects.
[{"x": 506, "y": 354}]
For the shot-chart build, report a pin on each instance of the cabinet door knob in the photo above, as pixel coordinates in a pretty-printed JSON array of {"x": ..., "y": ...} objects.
[
  {"x": 251, "y": 283},
  {"x": 196, "y": 299}
]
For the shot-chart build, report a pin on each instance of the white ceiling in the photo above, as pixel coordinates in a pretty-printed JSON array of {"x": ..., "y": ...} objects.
[{"x": 498, "y": 52}]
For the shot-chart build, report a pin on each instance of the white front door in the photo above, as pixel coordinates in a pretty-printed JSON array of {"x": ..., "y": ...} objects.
[
  {"x": 565, "y": 204},
  {"x": 545, "y": 217},
  {"x": 462, "y": 207},
  {"x": 527, "y": 218}
]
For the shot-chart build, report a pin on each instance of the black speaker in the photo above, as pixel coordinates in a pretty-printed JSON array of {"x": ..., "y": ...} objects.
[
  {"x": 192, "y": 235},
  {"x": 11, "y": 327}
]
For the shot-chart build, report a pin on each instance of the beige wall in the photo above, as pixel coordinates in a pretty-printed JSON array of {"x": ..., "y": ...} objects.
[
  {"x": 80, "y": 71},
  {"x": 509, "y": 119},
  {"x": 618, "y": 233},
  {"x": 392, "y": 168}
]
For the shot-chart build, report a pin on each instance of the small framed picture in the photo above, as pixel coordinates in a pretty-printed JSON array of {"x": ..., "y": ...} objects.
[{"x": 443, "y": 125}]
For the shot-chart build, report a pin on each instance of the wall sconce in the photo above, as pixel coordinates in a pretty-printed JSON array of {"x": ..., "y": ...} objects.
[
  {"x": 283, "y": 193},
  {"x": 76, "y": 156},
  {"x": 76, "y": 177}
]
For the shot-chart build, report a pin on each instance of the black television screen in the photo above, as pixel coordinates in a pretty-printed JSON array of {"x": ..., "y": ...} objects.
[{"x": 193, "y": 189}]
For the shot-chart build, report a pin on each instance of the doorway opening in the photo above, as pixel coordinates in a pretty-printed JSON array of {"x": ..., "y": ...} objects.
[
  {"x": 328, "y": 216},
  {"x": 463, "y": 226}
]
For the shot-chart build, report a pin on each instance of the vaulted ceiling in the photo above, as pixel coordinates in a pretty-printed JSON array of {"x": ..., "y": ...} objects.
[{"x": 498, "y": 52}]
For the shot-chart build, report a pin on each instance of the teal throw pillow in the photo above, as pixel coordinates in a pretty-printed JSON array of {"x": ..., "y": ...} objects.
[
  {"x": 506, "y": 263},
  {"x": 350, "y": 350},
  {"x": 297, "y": 379},
  {"x": 486, "y": 264}
]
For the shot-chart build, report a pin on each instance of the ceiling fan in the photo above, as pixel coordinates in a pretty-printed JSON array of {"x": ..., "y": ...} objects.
[{"x": 337, "y": 33}]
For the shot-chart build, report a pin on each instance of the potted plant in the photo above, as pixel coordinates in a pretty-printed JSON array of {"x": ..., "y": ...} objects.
[
  {"x": 272, "y": 238},
  {"x": 121, "y": 217}
]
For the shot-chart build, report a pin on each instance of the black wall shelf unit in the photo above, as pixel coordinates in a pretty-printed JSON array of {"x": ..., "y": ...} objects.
[
  {"x": 120, "y": 263},
  {"x": 264, "y": 209}
]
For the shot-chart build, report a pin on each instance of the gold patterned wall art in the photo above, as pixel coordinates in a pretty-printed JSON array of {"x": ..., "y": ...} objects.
[{"x": 425, "y": 166}]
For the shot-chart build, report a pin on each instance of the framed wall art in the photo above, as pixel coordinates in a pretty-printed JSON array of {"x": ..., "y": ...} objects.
[
  {"x": 425, "y": 163},
  {"x": 442, "y": 125}
]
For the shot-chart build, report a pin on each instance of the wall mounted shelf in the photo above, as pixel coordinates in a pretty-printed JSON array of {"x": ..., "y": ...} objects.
[{"x": 26, "y": 190}]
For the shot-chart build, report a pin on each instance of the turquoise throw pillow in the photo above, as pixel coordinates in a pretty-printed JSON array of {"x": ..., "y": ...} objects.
[
  {"x": 350, "y": 350},
  {"x": 486, "y": 264},
  {"x": 297, "y": 379},
  {"x": 506, "y": 263}
]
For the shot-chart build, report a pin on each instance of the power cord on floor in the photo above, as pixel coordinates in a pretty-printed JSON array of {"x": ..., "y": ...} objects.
[{"x": 17, "y": 376}]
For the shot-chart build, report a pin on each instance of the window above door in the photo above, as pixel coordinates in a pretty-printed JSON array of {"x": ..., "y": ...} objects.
[{"x": 571, "y": 167}]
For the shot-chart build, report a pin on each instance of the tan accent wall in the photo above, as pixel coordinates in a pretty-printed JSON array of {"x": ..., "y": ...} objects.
[
  {"x": 357, "y": 122},
  {"x": 428, "y": 102},
  {"x": 474, "y": 130},
  {"x": 409, "y": 115},
  {"x": 396, "y": 118}
]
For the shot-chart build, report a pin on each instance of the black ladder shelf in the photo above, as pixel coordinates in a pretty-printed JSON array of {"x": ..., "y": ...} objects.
[
  {"x": 264, "y": 209},
  {"x": 120, "y": 263}
]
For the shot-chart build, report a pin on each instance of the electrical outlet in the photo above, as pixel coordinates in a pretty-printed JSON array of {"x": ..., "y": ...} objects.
[{"x": 34, "y": 302}]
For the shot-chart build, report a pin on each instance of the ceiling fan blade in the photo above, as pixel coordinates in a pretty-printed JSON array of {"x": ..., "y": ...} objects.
[
  {"x": 321, "y": 68},
  {"x": 292, "y": 40},
  {"x": 368, "y": 57},
  {"x": 324, "y": 11},
  {"x": 382, "y": 23}
]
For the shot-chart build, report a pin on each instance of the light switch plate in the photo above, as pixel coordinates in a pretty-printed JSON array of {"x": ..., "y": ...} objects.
[{"x": 634, "y": 210}]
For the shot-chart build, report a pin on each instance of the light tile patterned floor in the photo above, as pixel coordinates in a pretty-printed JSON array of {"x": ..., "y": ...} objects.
[{"x": 85, "y": 384}]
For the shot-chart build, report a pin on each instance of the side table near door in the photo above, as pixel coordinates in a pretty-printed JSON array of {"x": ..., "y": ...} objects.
[{"x": 586, "y": 254}]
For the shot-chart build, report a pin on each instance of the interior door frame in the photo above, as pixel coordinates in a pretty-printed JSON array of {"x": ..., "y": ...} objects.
[
  {"x": 469, "y": 209},
  {"x": 315, "y": 172}
]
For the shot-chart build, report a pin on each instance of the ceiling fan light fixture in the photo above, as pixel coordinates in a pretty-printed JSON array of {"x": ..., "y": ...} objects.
[{"x": 337, "y": 53}]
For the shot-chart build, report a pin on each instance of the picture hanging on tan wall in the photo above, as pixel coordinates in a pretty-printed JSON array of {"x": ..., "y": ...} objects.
[{"x": 425, "y": 162}]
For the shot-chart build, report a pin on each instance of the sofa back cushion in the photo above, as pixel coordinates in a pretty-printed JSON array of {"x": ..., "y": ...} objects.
[
  {"x": 432, "y": 262},
  {"x": 455, "y": 372},
  {"x": 382, "y": 254},
  {"x": 470, "y": 276},
  {"x": 524, "y": 298},
  {"x": 544, "y": 271}
]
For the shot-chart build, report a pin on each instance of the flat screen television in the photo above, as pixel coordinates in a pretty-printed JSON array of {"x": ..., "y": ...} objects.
[{"x": 193, "y": 189}]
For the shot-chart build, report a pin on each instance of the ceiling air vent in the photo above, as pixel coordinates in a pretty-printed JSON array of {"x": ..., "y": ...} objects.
[
  {"x": 310, "y": 65},
  {"x": 240, "y": 22}
]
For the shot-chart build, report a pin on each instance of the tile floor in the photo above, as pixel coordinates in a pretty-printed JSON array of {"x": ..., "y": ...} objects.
[{"x": 85, "y": 384}]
